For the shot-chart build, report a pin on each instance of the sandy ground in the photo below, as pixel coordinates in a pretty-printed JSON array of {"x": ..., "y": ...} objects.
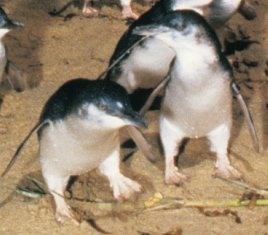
[{"x": 51, "y": 51}]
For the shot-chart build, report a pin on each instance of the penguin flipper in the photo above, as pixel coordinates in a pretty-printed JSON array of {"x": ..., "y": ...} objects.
[
  {"x": 157, "y": 90},
  {"x": 142, "y": 143},
  {"x": 248, "y": 116},
  {"x": 17, "y": 153}
]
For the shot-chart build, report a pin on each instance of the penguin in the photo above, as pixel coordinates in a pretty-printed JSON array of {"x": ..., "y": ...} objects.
[
  {"x": 220, "y": 11},
  {"x": 197, "y": 101},
  {"x": 88, "y": 10},
  {"x": 78, "y": 131},
  {"x": 8, "y": 70},
  {"x": 145, "y": 64},
  {"x": 127, "y": 12}
]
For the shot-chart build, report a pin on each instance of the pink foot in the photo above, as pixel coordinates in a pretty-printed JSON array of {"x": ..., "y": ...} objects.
[
  {"x": 89, "y": 11},
  {"x": 173, "y": 176},
  {"x": 127, "y": 13},
  {"x": 228, "y": 172},
  {"x": 63, "y": 214},
  {"x": 123, "y": 187}
]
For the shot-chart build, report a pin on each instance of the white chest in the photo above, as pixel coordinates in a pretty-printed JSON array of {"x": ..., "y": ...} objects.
[{"x": 74, "y": 152}]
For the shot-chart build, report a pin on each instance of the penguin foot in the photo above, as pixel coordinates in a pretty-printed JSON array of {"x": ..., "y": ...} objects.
[
  {"x": 173, "y": 176},
  {"x": 248, "y": 11},
  {"x": 3, "y": 130},
  {"x": 228, "y": 172},
  {"x": 124, "y": 187},
  {"x": 89, "y": 11},
  {"x": 64, "y": 213},
  {"x": 127, "y": 13},
  {"x": 15, "y": 77}
]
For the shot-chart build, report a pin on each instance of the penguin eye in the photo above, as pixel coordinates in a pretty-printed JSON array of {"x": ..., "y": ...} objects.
[{"x": 102, "y": 107}]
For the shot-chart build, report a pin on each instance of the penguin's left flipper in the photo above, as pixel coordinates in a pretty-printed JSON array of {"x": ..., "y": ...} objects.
[
  {"x": 247, "y": 114},
  {"x": 15, "y": 77}
]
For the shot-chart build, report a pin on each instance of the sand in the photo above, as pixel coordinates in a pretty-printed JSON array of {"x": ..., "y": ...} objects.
[{"x": 52, "y": 51}]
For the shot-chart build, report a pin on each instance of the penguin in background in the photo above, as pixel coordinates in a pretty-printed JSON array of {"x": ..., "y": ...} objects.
[
  {"x": 126, "y": 12},
  {"x": 197, "y": 101},
  {"x": 88, "y": 10},
  {"x": 8, "y": 71},
  {"x": 78, "y": 131},
  {"x": 139, "y": 63}
]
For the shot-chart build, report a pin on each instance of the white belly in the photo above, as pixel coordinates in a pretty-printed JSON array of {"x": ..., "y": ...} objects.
[
  {"x": 197, "y": 111},
  {"x": 68, "y": 152}
]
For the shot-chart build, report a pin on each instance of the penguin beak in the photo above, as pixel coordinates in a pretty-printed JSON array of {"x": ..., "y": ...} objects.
[
  {"x": 150, "y": 30},
  {"x": 133, "y": 118}
]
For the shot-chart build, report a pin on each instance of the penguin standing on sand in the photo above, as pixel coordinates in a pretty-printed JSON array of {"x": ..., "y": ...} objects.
[
  {"x": 78, "y": 131},
  {"x": 7, "y": 69},
  {"x": 127, "y": 12},
  {"x": 198, "y": 98},
  {"x": 146, "y": 64}
]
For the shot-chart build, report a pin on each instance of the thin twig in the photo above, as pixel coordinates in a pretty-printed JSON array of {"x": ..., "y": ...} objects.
[{"x": 245, "y": 186}]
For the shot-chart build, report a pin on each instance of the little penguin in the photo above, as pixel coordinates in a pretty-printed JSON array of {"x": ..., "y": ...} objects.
[
  {"x": 78, "y": 131},
  {"x": 198, "y": 98},
  {"x": 7, "y": 69},
  {"x": 139, "y": 62}
]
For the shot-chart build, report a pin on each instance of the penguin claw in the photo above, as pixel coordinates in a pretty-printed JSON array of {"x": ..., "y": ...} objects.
[
  {"x": 89, "y": 11},
  {"x": 228, "y": 172},
  {"x": 64, "y": 214},
  {"x": 127, "y": 13},
  {"x": 61, "y": 218},
  {"x": 124, "y": 187},
  {"x": 176, "y": 178}
]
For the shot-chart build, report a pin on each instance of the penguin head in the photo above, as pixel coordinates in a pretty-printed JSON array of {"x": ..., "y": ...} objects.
[
  {"x": 7, "y": 24},
  {"x": 176, "y": 26},
  {"x": 108, "y": 105},
  {"x": 102, "y": 103}
]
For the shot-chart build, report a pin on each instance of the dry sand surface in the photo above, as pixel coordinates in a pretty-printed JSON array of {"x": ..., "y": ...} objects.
[{"x": 51, "y": 51}]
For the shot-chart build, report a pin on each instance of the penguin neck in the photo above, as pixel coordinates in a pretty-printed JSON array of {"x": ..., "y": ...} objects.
[
  {"x": 83, "y": 127},
  {"x": 194, "y": 63}
]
